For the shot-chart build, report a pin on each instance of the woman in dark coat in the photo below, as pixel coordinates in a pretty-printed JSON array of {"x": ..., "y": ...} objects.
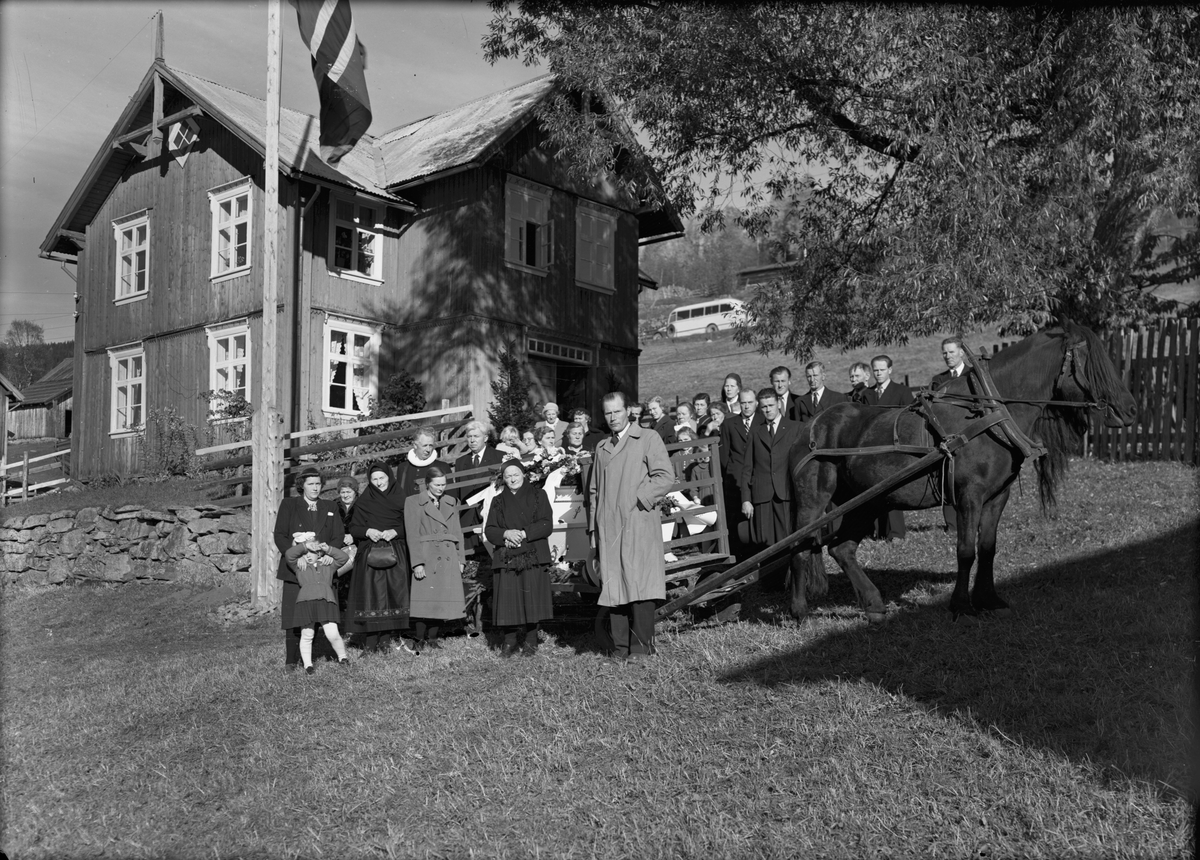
[
  {"x": 378, "y": 605},
  {"x": 299, "y": 516},
  {"x": 519, "y": 524}
]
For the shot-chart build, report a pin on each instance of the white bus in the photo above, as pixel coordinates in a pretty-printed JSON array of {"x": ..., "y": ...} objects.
[{"x": 709, "y": 317}]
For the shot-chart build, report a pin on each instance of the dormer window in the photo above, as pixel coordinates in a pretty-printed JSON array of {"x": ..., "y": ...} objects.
[
  {"x": 529, "y": 231},
  {"x": 132, "y": 236},
  {"x": 354, "y": 240}
]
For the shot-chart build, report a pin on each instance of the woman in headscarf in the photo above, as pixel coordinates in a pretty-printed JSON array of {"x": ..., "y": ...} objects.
[
  {"x": 378, "y": 605},
  {"x": 519, "y": 524},
  {"x": 435, "y": 549}
]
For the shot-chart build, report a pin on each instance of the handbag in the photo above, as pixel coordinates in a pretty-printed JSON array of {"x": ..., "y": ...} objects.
[{"x": 381, "y": 555}]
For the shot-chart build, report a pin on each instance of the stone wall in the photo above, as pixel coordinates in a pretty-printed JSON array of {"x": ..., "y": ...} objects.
[{"x": 202, "y": 545}]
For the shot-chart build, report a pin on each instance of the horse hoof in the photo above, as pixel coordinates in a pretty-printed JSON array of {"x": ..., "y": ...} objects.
[
  {"x": 876, "y": 617},
  {"x": 1002, "y": 612}
]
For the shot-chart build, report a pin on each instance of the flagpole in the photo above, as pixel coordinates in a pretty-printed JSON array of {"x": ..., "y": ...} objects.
[{"x": 267, "y": 486}]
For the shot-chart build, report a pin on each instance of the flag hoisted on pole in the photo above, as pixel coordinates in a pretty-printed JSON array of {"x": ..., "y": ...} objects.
[{"x": 339, "y": 65}]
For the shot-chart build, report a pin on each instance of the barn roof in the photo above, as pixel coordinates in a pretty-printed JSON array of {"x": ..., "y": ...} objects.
[
  {"x": 10, "y": 390},
  {"x": 380, "y": 166},
  {"x": 51, "y": 387}
]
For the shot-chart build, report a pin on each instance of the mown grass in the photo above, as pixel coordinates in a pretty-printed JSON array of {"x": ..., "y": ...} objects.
[
  {"x": 148, "y": 494},
  {"x": 136, "y": 727}
]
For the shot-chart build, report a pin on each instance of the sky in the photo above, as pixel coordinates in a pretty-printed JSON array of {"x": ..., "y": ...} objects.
[{"x": 68, "y": 69}]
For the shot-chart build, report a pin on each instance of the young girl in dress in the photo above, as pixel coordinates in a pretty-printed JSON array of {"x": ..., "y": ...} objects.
[{"x": 314, "y": 564}]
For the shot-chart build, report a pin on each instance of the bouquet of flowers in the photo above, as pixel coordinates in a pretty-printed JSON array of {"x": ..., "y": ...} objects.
[{"x": 540, "y": 465}]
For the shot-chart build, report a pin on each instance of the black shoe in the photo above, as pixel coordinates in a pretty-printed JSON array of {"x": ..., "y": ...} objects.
[
  {"x": 528, "y": 650},
  {"x": 509, "y": 651},
  {"x": 344, "y": 662},
  {"x": 310, "y": 670}
]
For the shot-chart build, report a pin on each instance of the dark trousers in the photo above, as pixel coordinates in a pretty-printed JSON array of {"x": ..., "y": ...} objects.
[
  {"x": 291, "y": 639},
  {"x": 633, "y": 628}
]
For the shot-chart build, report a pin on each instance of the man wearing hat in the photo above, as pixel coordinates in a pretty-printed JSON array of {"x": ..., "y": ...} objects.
[{"x": 302, "y": 518}]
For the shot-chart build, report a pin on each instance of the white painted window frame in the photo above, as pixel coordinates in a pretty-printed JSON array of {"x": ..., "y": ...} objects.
[
  {"x": 125, "y": 356},
  {"x": 527, "y": 205},
  {"x": 228, "y": 331},
  {"x": 328, "y": 357},
  {"x": 595, "y": 246},
  {"x": 357, "y": 225},
  {"x": 130, "y": 224},
  {"x": 217, "y": 198}
]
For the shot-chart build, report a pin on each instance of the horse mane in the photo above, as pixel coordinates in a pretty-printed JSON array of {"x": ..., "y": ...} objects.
[{"x": 1062, "y": 428}]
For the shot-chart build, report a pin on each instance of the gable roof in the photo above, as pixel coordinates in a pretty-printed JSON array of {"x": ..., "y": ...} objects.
[
  {"x": 56, "y": 383},
  {"x": 466, "y": 134},
  {"x": 412, "y": 153},
  {"x": 10, "y": 390}
]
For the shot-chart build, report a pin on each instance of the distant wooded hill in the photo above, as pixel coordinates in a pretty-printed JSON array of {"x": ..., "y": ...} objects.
[{"x": 26, "y": 364}]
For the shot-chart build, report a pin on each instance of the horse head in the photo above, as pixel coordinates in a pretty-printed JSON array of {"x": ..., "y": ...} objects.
[{"x": 1088, "y": 376}]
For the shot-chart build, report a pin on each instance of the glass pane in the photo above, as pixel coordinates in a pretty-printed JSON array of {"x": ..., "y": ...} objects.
[
  {"x": 141, "y": 235},
  {"x": 239, "y": 378},
  {"x": 122, "y": 371},
  {"x": 337, "y": 397},
  {"x": 360, "y": 345},
  {"x": 224, "y": 211},
  {"x": 135, "y": 367},
  {"x": 242, "y": 201},
  {"x": 222, "y": 349},
  {"x": 126, "y": 240},
  {"x": 242, "y": 233},
  {"x": 345, "y": 211},
  {"x": 222, "y": 379},
  {"x": 239, "y": 346},
  {"x": 135, "y": 394},
  {"x": 360, "y": 376},
  {"x": 337, "y": 375},
  {"x": 366, "y": 217},
  {"x": 135, "y": 417}
]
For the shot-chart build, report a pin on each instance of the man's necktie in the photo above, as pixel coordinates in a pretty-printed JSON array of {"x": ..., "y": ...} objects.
[
  {"x": 475, "y": 460},
  {"x": 816, "y": 400}
]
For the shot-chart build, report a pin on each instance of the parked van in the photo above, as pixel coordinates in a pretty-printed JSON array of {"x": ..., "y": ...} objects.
[{"x": 709, "y": 317}]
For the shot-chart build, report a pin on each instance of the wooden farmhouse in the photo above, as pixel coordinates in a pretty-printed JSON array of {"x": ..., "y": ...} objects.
[
  {"x": 45, "y": 411},
  {"x": 429, "y": 248},
  {"x": 12, "y": 398}
]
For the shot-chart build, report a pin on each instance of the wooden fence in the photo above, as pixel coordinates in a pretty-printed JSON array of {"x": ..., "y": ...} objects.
[
  {"x": 1159, "y": 366},
  {"x": 53, "y": 470}
]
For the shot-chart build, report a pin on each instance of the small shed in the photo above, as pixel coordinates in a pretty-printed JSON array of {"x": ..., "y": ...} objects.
[
  {"x": 12, "y": 398},
  {"x": 45, "y": 410}
]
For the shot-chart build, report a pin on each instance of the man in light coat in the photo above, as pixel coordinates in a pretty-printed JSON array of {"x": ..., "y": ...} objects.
[{"x": 630, "y": 476}]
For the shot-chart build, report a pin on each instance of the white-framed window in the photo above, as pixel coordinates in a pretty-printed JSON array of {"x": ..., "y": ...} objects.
[
  {"x": 529, "y": 230},
  {"x": 351, "y": 367},
  {"x": 231, "y": 222},
  {"x": 229, "y": 359},
  {"x": 127, "y": 367},
  {"x": 355, "y": 241},
  {"x": 132, "y": 236},
  {"x": 595, "y": 243}
]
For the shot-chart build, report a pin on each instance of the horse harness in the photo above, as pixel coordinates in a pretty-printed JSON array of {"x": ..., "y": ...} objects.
[{"x": 993, "y": 418}]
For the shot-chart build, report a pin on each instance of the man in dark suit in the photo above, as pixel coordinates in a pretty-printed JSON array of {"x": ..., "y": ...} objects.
[
  {"x": 735, "y": 438},
  {"x": 766, "y": 484},
  {"x": 781, "y": 382},
  {"x": 956, "y": 362},
  {"x": 306, "y": 513},
  {"x": 887, "y": 393},
  {"x": 478, "y": 455},
  {"x": 819, "y": 398},
  {"x": 660, "y": 421}
]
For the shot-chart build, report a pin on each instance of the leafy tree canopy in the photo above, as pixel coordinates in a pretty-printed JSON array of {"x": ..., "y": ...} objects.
[{"x": 944, "y": 166}]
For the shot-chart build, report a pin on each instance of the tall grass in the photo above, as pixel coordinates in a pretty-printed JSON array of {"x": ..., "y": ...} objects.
[{"x": 136, "y": 726}]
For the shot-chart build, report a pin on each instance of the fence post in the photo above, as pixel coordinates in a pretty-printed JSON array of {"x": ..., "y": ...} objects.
[{"x": 25, "y": 475}]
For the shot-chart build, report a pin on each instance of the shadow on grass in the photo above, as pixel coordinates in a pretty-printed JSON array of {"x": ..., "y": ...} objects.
[{"x": 1095, "y": 664}]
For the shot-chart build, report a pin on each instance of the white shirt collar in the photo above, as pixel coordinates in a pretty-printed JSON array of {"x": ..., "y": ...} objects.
[{"x": 412, "y": 457}]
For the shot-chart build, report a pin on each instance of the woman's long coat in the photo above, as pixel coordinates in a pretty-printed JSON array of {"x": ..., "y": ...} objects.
[
  {"x": 629, "y": 537},
  {"x": 435, "y": 540}
]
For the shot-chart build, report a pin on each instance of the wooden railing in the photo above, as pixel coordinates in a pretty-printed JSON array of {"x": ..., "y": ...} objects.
[{"x": 62, "y": 467}]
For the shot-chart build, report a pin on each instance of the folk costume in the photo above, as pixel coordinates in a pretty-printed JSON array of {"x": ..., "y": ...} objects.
[
  {"x": 766, "y": 483},
  {"x": 410, "y": 477},
  {"x": 521, "y": 596},
  {"x": 298, "y": 516},
  {"x": 378, "y": 603},
  {"x": 631, "y": 475},
  {"x": 891, "y": 524},
  {"x": 435, "y": 541}
]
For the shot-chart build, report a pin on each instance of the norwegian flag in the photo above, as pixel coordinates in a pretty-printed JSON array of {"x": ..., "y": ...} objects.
[{"x": 339, "y": 65}]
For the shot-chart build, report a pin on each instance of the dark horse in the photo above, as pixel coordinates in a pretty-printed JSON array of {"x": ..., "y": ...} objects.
[{"x": 1066, "y": 363}]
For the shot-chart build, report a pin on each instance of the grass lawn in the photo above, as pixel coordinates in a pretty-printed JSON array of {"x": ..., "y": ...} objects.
[
  {"x": 687, "y": 365},
  {"x": 136, "y": 726}
]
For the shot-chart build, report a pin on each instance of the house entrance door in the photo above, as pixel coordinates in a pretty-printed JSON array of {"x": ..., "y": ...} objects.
[{"x": 561, "y": 382}]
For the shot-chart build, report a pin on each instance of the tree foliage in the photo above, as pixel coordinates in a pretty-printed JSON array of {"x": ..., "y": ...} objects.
[
  {"x": 402, "y": 394},
  {"x": 944, "y": 166},
  {"x": 511, "y": 392},
  {"x": 25, "y": 357}
]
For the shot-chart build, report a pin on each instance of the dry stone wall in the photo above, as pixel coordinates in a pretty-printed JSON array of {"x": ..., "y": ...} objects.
[{"x": 202, "y": 545}]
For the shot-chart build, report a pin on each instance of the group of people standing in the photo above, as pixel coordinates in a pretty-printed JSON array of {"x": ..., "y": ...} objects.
[{"x": 401, "y": 541}]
